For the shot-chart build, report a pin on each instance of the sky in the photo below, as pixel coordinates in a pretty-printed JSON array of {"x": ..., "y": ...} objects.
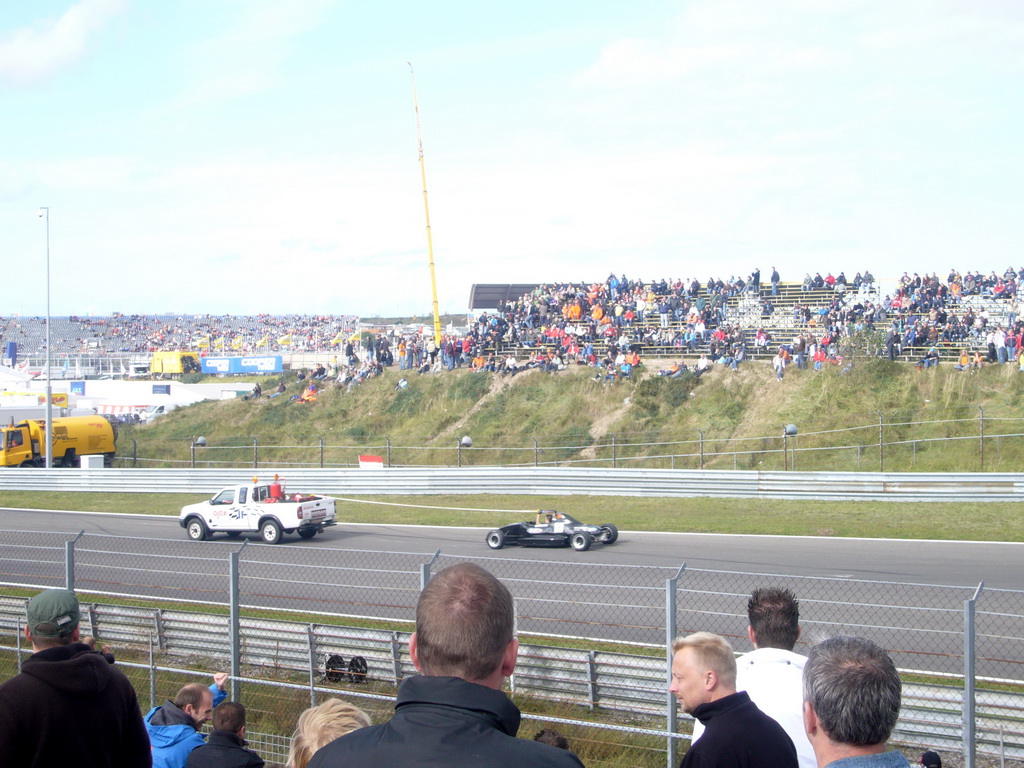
[{"x": 248, "y": 156}]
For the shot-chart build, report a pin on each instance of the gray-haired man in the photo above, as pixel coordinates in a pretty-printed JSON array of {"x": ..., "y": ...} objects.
[{"x": 851, "y": 703}]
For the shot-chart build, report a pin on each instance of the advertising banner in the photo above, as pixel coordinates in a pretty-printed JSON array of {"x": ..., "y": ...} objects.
[{"x": 253, "y": 364}]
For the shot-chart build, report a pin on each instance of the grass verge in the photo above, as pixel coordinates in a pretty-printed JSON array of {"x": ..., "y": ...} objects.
[{"x": 960, "y": 520}]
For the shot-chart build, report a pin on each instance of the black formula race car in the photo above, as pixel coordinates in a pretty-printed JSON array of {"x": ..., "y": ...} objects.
[{"x": 552, "y": 529}]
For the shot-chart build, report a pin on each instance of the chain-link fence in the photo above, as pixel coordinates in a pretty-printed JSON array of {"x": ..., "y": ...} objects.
[
  {"x": 980, "y": 441},
  {"x": 287, "y": 622}
]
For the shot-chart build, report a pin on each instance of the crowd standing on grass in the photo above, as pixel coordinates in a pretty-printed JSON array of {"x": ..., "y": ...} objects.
[{"x": 771, "y": 707}]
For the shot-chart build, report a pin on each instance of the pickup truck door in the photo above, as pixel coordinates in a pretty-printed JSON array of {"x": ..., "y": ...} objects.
[{"x": 228, "y": 510}]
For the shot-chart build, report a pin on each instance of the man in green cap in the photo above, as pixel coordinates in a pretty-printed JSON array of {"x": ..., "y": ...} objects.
[{"x": 68, "y": 696}]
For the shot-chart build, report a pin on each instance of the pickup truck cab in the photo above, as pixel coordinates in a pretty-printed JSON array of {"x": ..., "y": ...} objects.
[{"x": 258, "y": 508}]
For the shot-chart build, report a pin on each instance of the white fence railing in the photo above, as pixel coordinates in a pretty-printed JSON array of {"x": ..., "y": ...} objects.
[{"x": 542, "y": 481}]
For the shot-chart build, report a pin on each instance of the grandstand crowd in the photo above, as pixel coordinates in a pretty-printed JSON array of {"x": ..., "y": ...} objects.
[{"x": 601, "y": 324}]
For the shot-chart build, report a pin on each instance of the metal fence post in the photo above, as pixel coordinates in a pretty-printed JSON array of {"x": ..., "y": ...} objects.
[
  {"x": 234, "y": 623},
  {"x": 881, "y": 459},
  {"x": 592, "y": 678},
  {"x": 389, "y": 450},
  {"x": 396, "y": 657},
  {"x": 700, "y": 433},
  {"x": 536, "y": 452},
  {"x": 969, "y": 660},
  {"x": 311, "y": 642},
  {"x": 152, "y": 674},
  {"x": 255, "y": 454},
  {"x": 981, "y": 442},
  {"x": 158, "y": 623},
  {"x": 425, "y": 570},
  {"x": 615, "y": 453},
  {"x": 135, "y": 452},
  {"x": 69, "y": 562},
  {"x": 17, "y": 644},
  {"x": 670, "y": 636},
  {"x": 321, "y": 461}
]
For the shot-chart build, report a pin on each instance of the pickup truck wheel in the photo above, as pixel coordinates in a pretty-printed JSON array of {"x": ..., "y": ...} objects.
[
  {"x": 270, "y": 532},
  {"x": 307, "y": 533},
  {"x": 196, "y": 529}
]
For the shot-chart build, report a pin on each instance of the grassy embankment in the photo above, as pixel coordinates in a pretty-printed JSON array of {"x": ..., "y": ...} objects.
[{"x": 574, "y": 418}]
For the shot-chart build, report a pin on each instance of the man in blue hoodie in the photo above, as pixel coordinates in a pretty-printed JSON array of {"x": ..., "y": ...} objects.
[{"x": 174, "y": 727}]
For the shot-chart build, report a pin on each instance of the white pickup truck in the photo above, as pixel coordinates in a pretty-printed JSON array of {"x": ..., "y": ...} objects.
[{"x": 258, "y": 507}]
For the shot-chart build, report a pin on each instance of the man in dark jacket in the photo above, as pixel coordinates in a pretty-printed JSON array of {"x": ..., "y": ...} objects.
[
  {"x": 225, "y": 747},
  {"x": 736, "y": 733},
  {"x": 454, "y": 714},
  {"x": 68, "y": 697}
]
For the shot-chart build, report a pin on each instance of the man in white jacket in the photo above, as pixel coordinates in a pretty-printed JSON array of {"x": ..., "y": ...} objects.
[{"x": 772, "y": 674}]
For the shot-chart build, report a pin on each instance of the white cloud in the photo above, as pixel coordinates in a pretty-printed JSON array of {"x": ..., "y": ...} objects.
[
  {"x": 245, "y": 58},
  {"x": 35, "y": 53}
]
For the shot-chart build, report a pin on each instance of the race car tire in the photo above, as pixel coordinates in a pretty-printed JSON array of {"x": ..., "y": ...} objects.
[
  {"x": 495, "y": 539},
  {"x": 581, "y": 541},
  {"x": 196, "y": 529},
  {"x": 610, "y": 533},
  {"x": 270, "y": 531},
  {"x": 307, "y": 533}
]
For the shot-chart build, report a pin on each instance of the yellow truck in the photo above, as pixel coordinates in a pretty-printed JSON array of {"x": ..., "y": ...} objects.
[
  {"x": 174, "y": 363},
  {"x": 24, "y": 444}
]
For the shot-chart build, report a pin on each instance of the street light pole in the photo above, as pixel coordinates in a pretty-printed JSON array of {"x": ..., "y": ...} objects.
[{"x": 48, "y": 426}]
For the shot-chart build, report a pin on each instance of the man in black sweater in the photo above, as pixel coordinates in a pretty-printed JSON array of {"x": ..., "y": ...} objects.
[
  {"x": 736, "y": 733},
  {"x": 68, "y": 696}
]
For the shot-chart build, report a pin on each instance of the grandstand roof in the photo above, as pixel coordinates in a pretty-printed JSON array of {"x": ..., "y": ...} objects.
[{"x": 490, "y": 295}]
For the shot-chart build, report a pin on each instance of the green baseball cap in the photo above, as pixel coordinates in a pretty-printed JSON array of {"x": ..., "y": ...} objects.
[{"x": 53, "y": 613}]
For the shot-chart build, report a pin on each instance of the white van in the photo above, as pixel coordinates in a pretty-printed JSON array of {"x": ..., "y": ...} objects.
[{"x": 155, "y": 411}]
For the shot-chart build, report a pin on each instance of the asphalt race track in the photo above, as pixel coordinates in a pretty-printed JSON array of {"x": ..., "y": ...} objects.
[
  {"x": 962, "y": 564},
  {"x": 907, "y": 595}
]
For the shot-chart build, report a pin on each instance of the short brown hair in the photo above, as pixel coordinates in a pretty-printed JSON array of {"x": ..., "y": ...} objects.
[
  {"x": 229, "y": 716},
  {"x": 319, "y": 726},
  {"x": 191, "y": 695},
  {"x": 713, "y": 652},
  {"x": 464, "y": 622},
  {"x": 774, "y": 615}
]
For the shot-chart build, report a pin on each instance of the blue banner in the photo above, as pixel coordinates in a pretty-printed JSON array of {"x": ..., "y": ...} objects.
[
  {"x": 261, "y": 364},
  {"x": 77, "y": 387}
]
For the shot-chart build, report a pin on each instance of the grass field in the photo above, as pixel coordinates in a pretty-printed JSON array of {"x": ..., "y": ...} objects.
[{"x": 939, "y": 520}]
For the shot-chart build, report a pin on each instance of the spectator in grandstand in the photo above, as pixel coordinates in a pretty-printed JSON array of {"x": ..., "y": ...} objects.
[
  {"x": 702, "y": 366},
  {"x": 851, "y": 703},
  {"x": 930, "y": 359},
  {"x": 779, "y": 364},
  {"x": 736, "y": 732},
  {"x": 225, "y": 746},
  {"x": 319, "y": 726}
]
